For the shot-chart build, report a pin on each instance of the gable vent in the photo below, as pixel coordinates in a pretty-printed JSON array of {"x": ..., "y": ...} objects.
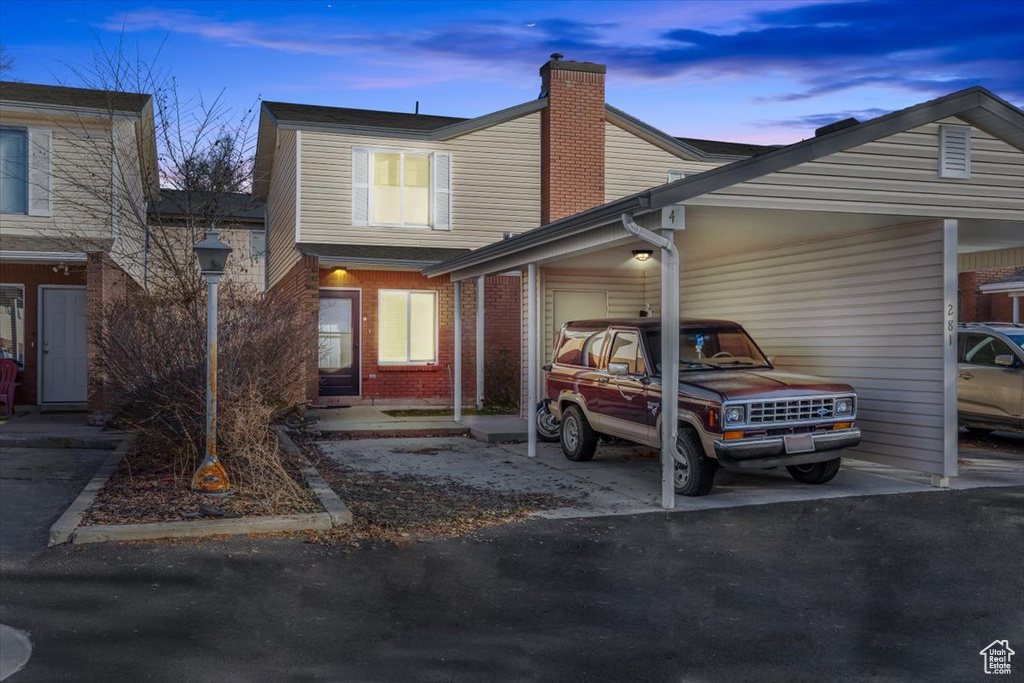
[{"x": 954, "y": 152}]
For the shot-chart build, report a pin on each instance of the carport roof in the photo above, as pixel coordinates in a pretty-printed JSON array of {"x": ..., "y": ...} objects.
[
  {"x": 977, "y": 106},
  {"x": 378, "y": 255}
]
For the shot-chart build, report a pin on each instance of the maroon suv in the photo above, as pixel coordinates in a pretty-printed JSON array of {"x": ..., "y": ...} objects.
[{"x": 735, "y": 409}]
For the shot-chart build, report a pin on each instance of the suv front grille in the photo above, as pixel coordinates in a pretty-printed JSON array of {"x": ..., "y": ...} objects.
[{"x": 791, "y": 410}]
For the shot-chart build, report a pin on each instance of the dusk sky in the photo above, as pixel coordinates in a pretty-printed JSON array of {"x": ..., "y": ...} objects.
[{"x": 768, "y": 71}]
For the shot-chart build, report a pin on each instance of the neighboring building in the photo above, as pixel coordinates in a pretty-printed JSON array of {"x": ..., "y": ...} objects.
[
  {"x": 180, "y": 218},
  {"x": 992, "y": 295},
  {"x": 360, "y": 201},
  {"x": 78, "y": 168}
]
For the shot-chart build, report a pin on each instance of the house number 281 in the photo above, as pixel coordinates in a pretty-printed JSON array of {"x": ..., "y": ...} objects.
[{"x": 950, "y": 322}]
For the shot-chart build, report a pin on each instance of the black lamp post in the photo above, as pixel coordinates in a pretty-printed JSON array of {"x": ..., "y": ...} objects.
[{"x": 211, "y": 477}]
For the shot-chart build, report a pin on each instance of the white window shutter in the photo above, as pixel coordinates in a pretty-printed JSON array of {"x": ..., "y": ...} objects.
[
  {"x": 360, "y": 186},
  {"x": 40, "y": 172},
  {"x": 954, "y": 152},
  {"x": 675, "y": 175},
  {"x": 442, "y": 173}
]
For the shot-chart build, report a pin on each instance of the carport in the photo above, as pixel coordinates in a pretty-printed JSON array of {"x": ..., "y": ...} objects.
[{"x": 839, "y": 254}]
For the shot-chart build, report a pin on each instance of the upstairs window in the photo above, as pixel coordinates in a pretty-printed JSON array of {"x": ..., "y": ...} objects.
[
  {"x": 13, "y": 170},
  {"x": 393, "y": 188}
]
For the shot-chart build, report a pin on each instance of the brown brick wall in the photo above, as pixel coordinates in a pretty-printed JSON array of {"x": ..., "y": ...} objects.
[
  {"x": 106, "y": 283},
  {"x": 572, "y": 139},
  {"x": 301, "y": 283},
  {"x": 431, "y": 383},
  {"x": 978, "y": 307},
  {"x": 31, "y": 276}
]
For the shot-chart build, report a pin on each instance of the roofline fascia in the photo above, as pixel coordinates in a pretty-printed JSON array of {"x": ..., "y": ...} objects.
[
  {"x": 662, "y": 138},
  {"x": 379, "y": 262},
  {"x": 445, "y": 133},
  {"x": 731, "y": 174},
  {"x": 16, "y": 107},
  {"x": 45, "y": 256},
  {"x": 256, "y": 183},
  {"x": 999, "y": 287}
]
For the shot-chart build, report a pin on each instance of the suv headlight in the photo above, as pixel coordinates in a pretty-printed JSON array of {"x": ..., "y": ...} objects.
[
  {"x": 734, "y": 415},
  {"x": 844, "y": 407}
]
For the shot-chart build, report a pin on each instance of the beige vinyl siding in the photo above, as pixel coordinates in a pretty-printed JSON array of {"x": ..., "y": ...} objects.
[
  {"x": 865, "y": 309},
  {"x": 281, "y": 252},
  {"x": 990, "y": 260},
  {"x": 495, "y": 186},
  {"x": 81, "y": 188},
  {"x": 130, "y": 215},
  {"x": 631, "y": 164},
  {"x": 896, "y": 175}
]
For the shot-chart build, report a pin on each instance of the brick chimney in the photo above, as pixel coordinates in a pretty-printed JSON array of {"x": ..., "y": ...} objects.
[{"x": 572, "y": 138}]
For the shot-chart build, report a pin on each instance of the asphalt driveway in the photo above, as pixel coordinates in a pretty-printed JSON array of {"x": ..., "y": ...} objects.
[
  {"x": 36, "y": 486},
  {"x": 886, "y": 588}
]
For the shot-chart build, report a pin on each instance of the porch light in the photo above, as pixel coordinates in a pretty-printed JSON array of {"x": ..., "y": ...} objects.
[
  {"x": 211, "y": 477},
  {"x": 642, "y": 255}
]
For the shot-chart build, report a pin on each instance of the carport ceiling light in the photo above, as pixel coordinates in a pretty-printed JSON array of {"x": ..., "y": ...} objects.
[{"x": 642, "y": 255}]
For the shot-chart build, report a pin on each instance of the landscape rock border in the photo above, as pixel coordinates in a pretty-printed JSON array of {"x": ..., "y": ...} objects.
[{"x": 68, "y": 528}]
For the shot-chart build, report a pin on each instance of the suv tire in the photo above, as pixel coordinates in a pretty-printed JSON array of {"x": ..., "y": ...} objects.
[
  {"x": 579, "y": 440},
  {"x": 694, "y": 472},
  {"x": 817, "y": 473}
]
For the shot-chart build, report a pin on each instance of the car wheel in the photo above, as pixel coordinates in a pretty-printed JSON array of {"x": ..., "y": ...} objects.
[
  {"x": 694, "y": 472},
  {"x": 815, "y": 473},
  {"x": 579, "y": 440},
  {"x": 547, "y": 424}
]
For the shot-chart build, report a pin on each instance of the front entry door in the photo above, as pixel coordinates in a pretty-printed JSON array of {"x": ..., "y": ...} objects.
[
  {"x": 65, "y": 364},
  {"x": 339, "y": 343}
]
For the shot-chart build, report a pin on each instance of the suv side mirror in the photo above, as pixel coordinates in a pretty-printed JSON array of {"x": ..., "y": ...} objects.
[
  {"x": 1005, "y": 361},
  {"x": 618, "y": 369}
]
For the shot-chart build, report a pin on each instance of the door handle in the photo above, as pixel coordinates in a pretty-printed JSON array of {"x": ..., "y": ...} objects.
[
  {"x": 965, "y": 375},
  {"x": 603, "y": 380}
]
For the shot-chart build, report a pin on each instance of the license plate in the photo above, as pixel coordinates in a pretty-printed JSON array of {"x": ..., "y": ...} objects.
[{"x": 799, "y": 443}]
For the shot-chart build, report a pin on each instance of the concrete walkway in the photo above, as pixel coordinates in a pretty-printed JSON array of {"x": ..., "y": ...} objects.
[
  {"x": 373, "y": 420},
  {"x": 623, "y": 479},
  {"x": 56, "y": 430}
]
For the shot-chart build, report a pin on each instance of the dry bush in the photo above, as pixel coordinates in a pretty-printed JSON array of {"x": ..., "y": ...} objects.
[{"x": 151, "y": 356}]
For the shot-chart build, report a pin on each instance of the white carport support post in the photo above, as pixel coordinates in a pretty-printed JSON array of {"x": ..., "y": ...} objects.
[
  {"x": 1016, "y": 309},
  {"x": 531, "y": 357},
  {"x": 457, "y": 388},
  {"x": 950, "y": 241},
  {"x": 669, "y": 369},
  {"x": 480, "y": 343}
]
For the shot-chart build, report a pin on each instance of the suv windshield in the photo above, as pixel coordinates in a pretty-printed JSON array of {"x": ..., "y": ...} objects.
[{"x": 711, "y": 348}]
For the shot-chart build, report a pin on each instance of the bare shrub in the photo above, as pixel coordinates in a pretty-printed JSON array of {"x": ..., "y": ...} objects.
[{"x": 151, "y": 354}]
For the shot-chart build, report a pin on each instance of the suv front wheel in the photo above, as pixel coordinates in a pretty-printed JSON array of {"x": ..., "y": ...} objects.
[
  {"x": 694, "y": 473},
  {"x": 579, "y": 440}
]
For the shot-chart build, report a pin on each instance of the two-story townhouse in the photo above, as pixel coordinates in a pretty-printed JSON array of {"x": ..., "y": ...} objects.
[
  {"x": 180, "y": 217},
  {"x": 359, "y": 201},
  {"x": 78, "y": 168}
]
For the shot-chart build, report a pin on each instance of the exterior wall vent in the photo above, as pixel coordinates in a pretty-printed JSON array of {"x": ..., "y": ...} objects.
[{"x": 954, "y": 151}]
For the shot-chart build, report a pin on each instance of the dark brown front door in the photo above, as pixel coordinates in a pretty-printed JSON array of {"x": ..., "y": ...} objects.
[{"x": 339, "y": 343}]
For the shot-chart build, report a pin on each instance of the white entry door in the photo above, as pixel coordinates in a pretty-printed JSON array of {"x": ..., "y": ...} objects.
[{"x": 64, "y": 335}]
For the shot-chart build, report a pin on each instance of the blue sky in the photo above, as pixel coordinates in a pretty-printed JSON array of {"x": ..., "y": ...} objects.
[{"x": 768, "y": 71}]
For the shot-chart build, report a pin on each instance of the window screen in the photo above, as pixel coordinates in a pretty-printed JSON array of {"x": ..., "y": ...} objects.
[{"x": 13, "y": 171}]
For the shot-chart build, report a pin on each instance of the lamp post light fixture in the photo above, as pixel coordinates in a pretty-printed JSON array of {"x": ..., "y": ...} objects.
[{"x": 211, "y": 477}]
